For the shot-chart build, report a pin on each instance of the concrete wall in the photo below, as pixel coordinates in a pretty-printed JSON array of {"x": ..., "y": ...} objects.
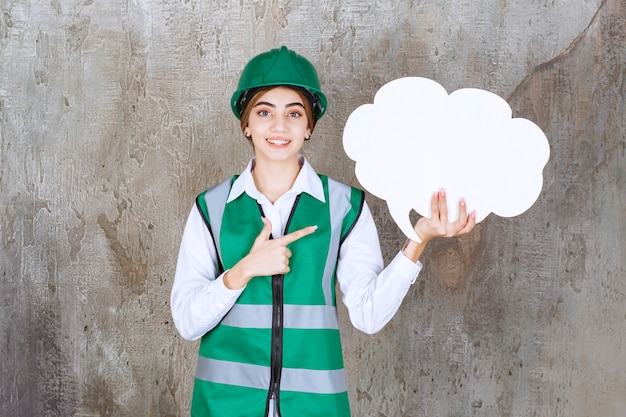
[{"x": 114, "y": 115}]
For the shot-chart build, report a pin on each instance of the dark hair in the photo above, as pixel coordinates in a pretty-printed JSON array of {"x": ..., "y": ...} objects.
[{"x": 251, "y": 96}]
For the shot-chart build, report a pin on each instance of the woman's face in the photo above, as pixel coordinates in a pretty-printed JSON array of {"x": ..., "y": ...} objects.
[{"x": 278, "y": 125}]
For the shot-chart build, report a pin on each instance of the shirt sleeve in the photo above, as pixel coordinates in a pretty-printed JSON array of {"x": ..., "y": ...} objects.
[
  {"x": 199, "y": 299},
  {"x": 372, "y": 294}
]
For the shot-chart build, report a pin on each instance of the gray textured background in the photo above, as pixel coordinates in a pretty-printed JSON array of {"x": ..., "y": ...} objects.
[{"x": 114, "y": 115}]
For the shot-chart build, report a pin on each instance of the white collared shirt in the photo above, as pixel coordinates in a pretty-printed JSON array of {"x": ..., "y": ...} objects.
[{"x": 199, "y": 299}]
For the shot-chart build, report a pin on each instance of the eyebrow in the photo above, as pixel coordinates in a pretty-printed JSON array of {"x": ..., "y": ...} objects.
[{"x": 267, "y": 103}]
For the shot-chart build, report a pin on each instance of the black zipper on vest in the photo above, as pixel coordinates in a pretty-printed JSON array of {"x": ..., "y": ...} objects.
[{"x": 276, "y": 354}]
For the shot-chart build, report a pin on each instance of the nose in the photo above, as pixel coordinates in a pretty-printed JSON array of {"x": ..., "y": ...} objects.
[{"x": 279, "y": 123}]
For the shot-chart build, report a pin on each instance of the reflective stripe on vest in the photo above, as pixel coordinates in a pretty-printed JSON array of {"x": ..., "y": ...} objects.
[
  {"x": 215, "y": 206},
  {"x": 335, "y": 194},
  {"x": 255, "y": 376},
  {"x": 296, "y": 316}
]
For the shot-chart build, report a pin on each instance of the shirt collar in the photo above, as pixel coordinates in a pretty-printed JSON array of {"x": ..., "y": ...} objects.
[{"x": 307, "y": 181}]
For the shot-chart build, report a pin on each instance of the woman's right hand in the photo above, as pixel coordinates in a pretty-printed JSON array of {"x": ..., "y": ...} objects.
[{"x": 267, "y": 257}]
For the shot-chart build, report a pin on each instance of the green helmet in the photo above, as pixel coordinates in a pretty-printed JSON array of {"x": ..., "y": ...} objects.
[{"x": 279, "y": 67}]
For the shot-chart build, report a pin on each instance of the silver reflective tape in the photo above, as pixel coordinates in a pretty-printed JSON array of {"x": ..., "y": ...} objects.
[
  {"x": 295, "y": 317},
  {"x": 233, "y": 373},
  {"x": 216, "y": 203},
  {"x": 255, "y": 376},
  {"x": 339, "y": 201},
  {"x": 320, "y": 382},
  {"x": 310, "y": 317}
]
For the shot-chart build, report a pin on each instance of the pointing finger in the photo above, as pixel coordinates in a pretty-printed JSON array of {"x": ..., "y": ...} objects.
[{"x": 298, "y": 234}]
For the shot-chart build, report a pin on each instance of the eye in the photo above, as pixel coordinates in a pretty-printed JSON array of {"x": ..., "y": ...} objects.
[
  {"x": 263, "y": 113},
  {"x": 294, "y": 113}
]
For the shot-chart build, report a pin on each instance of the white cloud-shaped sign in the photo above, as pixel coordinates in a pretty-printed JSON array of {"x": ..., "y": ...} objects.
[{"x": 416, "y": 139}]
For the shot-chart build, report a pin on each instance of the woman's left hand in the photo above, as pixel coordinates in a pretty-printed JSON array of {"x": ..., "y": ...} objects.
[{"x": 439, "y": 226}]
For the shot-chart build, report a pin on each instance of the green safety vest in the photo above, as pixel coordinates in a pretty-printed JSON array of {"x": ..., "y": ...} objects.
[{"x": 280, "y": 340}]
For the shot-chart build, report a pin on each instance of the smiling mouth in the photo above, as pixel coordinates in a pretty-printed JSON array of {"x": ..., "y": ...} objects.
[{"x": 278, "y": 142}]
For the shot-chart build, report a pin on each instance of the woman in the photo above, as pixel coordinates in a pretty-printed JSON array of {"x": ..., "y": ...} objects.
[{"x": 260, "y": 254}]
